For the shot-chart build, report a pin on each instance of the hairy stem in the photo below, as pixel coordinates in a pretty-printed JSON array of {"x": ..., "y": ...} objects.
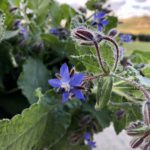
[
  {"x": 94, "y": 77},
  {"x": 117, "y": 51},
  {"x": 137, "y": 85},
  {"x": 99, "y": 57}
]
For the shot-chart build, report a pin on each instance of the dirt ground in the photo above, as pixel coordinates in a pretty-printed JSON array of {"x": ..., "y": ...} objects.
[{"x": 108, "y": 140}]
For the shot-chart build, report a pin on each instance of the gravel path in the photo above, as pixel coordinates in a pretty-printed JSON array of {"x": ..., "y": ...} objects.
[{"x": 109, "y": 140}]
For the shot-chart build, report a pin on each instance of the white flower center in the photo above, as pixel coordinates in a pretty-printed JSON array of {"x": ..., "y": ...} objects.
[{"x": 66, "y": 86}]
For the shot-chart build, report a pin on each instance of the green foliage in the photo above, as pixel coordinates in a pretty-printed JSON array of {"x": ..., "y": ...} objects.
[
  {"x": 34, "y": 75},
  {"x": 87, "y": 56},
  {"x": 65, "y": 11},
  {"x": 104, "y": 92},
  {"x": 140, "y": 57},
  {"x": 95, "y": 4},
  {"x": 24, "y": 64},
  {"x": 102, "y": 116},
  {"x": 10, "y": 34},
  {"x": 113, "y": 22},
  {"x": 34, "y": 123},
  {"x": 108, "y": 55},
  {"x": 146, "y": 71}
]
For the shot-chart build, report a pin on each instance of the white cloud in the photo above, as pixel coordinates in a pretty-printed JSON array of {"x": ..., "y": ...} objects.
[
  {"x": 121, "y": 8},
  {"x": 130, "y": 8}
]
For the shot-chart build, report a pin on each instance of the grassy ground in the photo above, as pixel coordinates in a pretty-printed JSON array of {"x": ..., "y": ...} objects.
[{"x": 143, "y": 46}]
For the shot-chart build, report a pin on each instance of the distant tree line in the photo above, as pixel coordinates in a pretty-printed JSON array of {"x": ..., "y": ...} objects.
[{"x": 141, "y": 37}]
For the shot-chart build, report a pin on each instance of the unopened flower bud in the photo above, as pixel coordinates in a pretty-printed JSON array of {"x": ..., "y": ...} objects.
[
  {"x": 137, "y": 141},
  {"x": 120, "y": 113},
  {"x": 85, "y": 36},
  {"x": 85, "y": 120},
  {"x": 75, "y": 138},
  {"x": 113, "y": 33},
  {"x": 138, "y": 131},
  {"x": 146, "y": 113}
]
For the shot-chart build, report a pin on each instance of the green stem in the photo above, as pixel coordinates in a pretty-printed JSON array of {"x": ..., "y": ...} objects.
[
  {"x": 99, "y": 57},
  {"x": 94, "y": 77}
]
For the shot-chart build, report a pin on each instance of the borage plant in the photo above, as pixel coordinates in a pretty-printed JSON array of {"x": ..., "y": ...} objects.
[{"x": 102, "y": 87}]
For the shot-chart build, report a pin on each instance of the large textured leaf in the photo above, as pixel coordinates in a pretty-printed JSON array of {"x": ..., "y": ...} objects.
[
  {"x": 40, "y": 122},
  {"x": 34, "y": 75},
  {"x": 10, "y": 34},
  {"x": 108, "y": 55},
  {"x": 87, "y": 56},
  {"x": 104, "y": 92}
]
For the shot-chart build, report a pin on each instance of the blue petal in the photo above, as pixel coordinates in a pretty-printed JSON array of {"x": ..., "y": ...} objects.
[
  {"x": 92, "y": 144},
  {"x": 104, "y": 22},
  {"x": 64, "y": 72},
  {"x": 99, "y": 15},
  {"x": 78, "y": 94},
  {"x": 54, "y": 82},
  {"x": 100, "y": 27},
  {"x": 76, "y": 79},
  {"x": 87, "y": 136},
  {"x": 65, "y": 97}
]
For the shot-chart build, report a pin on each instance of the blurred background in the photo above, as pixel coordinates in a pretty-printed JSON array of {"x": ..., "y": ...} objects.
[{"x": 134, "y": 18}]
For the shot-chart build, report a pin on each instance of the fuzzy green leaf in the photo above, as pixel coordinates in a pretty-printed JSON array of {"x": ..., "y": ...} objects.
[
  {"x": 104, "y": 92},
  {"x": 10, "y": 34},
  {"x": 34, "y": 75},
  {"x": 40, "y": 125}
]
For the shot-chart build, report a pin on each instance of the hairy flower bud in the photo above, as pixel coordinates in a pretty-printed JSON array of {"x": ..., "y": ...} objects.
[
  {"x": 75, "y": 138},
  {"x": 113, "y": 33},
  {"x": 85, "y": 36},
  {"x": 137, "y": 141},
  {"x": 138, "y": 131},
  {"x": 146, "y": 113},
  {"x": 87, "y": 119},
  {"x": 120, "y": 114}
]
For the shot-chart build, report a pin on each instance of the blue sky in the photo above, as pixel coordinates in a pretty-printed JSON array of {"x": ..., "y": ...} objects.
[{"x": 121, "y": 8}]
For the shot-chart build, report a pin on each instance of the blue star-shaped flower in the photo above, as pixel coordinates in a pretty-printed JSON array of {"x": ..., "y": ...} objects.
[
  {"x": 90, "y": 143},
  {"x": 126, "y": 38},
  {"x": 99, "y": 20},
  {"x": 69, "y": 83}
]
